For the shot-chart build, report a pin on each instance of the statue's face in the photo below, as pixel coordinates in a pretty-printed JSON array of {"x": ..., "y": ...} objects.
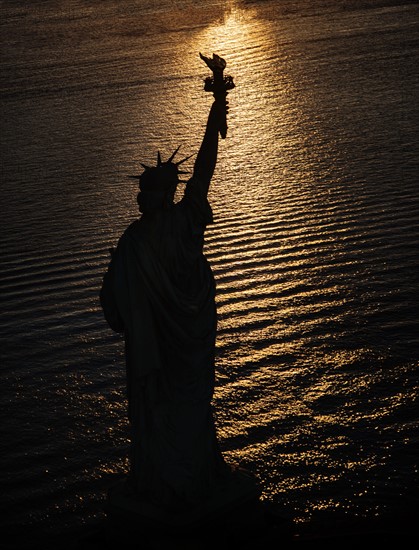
[
  {"x": 157, "y": 187},
  {"x": 149, "y": 201}
]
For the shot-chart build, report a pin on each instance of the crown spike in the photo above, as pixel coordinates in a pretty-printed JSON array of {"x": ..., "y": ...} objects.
[
  {"x": 145, "y": 166},
  {"x": 173, "y": 154},
  {"x": 158, "y": 159},
  {"x": 183, "y": 160}
]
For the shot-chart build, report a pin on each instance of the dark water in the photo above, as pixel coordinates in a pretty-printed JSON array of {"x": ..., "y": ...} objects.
[{"x": 315, "y": 246}]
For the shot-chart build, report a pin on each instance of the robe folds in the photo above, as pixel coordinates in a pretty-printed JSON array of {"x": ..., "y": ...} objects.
[{"x": 159, "y": 291}]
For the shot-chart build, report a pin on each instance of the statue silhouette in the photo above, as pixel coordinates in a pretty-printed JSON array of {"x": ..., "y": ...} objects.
[{"x": 159, "y": 291}]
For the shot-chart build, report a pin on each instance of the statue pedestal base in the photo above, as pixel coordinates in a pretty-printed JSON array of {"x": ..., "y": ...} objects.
[{"x": 233, "y": 512}]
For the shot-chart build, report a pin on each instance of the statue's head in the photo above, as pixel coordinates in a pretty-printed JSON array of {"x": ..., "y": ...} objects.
[{"x": 158, "y": 184}]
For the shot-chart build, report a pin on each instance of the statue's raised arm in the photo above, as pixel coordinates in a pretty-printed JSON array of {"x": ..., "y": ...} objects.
[
  {"x": 207, "y": 155},
  {"x": 219, "y": 85}
]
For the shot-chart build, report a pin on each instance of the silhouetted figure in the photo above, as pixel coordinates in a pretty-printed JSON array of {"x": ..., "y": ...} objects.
[{"x": 159, "y": 291}]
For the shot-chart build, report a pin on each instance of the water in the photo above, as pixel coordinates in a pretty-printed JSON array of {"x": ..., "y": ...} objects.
[{"x": 314, "y": 246}]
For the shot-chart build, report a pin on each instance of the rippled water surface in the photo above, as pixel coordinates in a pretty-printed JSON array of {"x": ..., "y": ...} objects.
[{"x": 315, "y": 244}]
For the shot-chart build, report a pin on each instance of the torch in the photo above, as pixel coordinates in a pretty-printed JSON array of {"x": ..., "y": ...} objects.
[{"x": 218, "y": 83}]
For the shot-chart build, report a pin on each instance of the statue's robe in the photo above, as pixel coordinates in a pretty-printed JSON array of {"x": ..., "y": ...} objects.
[{"x": 159, "y": 291}]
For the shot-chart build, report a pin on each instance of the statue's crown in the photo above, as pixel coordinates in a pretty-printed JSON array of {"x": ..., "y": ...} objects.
[{"x": 163, "y": 175}]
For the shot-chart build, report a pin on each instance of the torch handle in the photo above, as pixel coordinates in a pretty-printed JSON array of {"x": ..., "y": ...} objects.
[
  {"x": 221, "y": 96},
  {"x": 223, "y": 128}
]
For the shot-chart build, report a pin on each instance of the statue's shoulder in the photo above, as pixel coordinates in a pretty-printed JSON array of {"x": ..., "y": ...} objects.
[
  {"x": 132, "y": 231},
  {"x": 133, "y": 228}
]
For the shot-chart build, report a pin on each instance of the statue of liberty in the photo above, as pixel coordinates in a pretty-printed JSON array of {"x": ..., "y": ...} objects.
[{"x": 159, "y": 291}]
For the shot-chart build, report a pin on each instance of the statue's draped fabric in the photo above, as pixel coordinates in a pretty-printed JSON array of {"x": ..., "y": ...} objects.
[{"x": 160, "y": 292}]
